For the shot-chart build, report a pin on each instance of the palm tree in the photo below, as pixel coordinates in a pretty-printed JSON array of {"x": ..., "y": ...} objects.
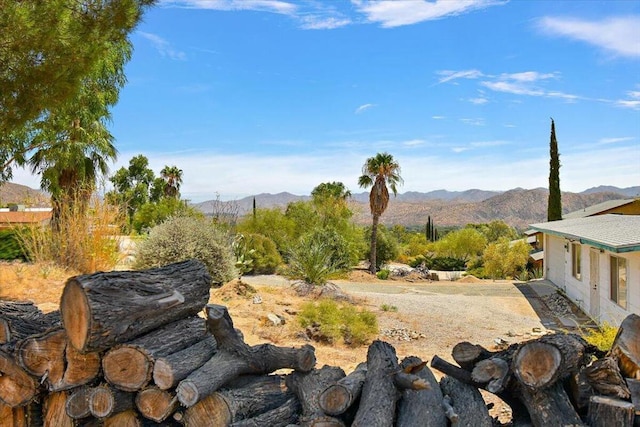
[
  {"x": 377, "y": 172},
  {"x": 172, "y": 176}
]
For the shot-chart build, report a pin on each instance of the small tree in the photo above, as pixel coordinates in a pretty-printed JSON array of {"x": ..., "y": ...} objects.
[
  {"x": 554, "y": 207},
  {"x": 504, "y": 259}
]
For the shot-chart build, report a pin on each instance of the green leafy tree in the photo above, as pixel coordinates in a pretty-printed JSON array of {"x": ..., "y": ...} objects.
[
  {"x": 48, "y": 49},
  {"x": 330, "y": 201},
  {"x": 273, "y": 224},
  {"x": 504, "y": 259},
  {"x": 387, "y": 247},
  {"x": 463, "y": 244},
  {"x": 494, "y": 230},
  {"x": 152, "y": 214},
  {"x": 554, "y": 206},
  {"x": 378, "y": 172}
]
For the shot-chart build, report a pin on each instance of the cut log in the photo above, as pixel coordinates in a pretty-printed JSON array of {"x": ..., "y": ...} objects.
[
  {"x": 282, "y": 416},
  {"x": 467, "y": 403},
  {"x": 604, "y": 377},
  {"x": 58, "y": 365},
  {"x": 234, "y": 357},
  {"x": 23, "y": 416},
  {"x": 467, "y": 355},
  {"x": 128, "y": 418},
  {"x": 129, "y": 366},
  {"x": 454, "y": 371},
  {"x": 169, "y": 370},
  {"x": 53, "y": 410},
  {"x": 156, "y": 404},
  {"x": 606, "y": 412},
  {"x": 421, "y": 407},
  {"x": 77, "y": 405},
  {"x": 626, "y": 347},
  {"x": 580, "y": 391},
  {"x": 379, "y": 394},
  {"x": 17, "y": 387},
  {"x": 494, "y": 372},
  {"x": 308, "y": 386},
  {"x": 103, "y": 309},
  {"x": 542, "y": 362},
  {"x": 634, "y": 391},
  {"x": 106, "y": 401},
  {"x": 20, "y": 319},
  {"x": 549, "y": 407},
  {"x": 339, "y": 397}
]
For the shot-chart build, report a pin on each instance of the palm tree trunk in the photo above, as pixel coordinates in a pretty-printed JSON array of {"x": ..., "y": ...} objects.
[{"x": 374, "y": 241}]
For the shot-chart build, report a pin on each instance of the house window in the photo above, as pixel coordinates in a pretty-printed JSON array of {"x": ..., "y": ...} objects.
[
  {"x": 575, "y": 260},
  {"x": 619, "y": 281}
]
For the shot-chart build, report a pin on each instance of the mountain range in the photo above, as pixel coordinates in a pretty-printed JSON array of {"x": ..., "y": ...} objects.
[{"x": 517, "y": 207}]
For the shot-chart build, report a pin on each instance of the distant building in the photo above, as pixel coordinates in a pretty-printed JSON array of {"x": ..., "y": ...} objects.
[
  {"x": 15, "y": 218},
  {"x": 596, "y": 261}
]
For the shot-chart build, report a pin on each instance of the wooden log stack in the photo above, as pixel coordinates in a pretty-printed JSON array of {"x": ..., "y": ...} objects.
[{"x": 144, "y": 348}]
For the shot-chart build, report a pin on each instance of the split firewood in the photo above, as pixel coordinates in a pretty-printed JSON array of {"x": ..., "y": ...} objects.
[
  {"x": 77, "y": 405},
  {"x": 282, "y": 416},
  {"x": 234, "y": 357},
  {"x": 607, "y": 411},
  {"x": 22, "y": 416},
  {"x": 542, "y": 362},
  {"x": 106, "y": 401},
  {"x": 384, "y": 382},
  {"x": 17, "y": 387},
  {"x": 54, "y": 412},
  {"x": 20, "y": 319},
  {"x": 100, "y": 310},
  {"x": 169, "y": 370},
  {"x": 308, "y": 386},
  {"x": 418, "y": 408},
  {"x": 128, "y": 418},
  {"x": 341, "y": 395},
  {"x": 626, "y": 347},
  {"x": 467, "y": 405},
  {"x": 50, "y": 357},
  {"x": 156, "y": 404},
  {"x": 634, "y": 390},
  {"x": 604, "y": 377},
  {"x": 129, "y": 366}
]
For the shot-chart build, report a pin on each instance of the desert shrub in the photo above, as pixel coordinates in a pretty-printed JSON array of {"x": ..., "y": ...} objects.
[
  {"x": 445, "y": 263},
  {"x": 602, "y": 337},
  {"x": 264, "y": 257},
  {"x": 387, "y": 307},
  {"x": 310, "y": 260},
  {"x": 183, "y": 238},
  {"x": 383, "y": 274},
  {"x": 332, "y": 322},
  {"x": 84, "y": 241},
  {"x": 503, "y": 259},
  {"x": 386, "y": 246},
  {"x": 151, "y": 214},
  {"x": 10, "y": 247}
]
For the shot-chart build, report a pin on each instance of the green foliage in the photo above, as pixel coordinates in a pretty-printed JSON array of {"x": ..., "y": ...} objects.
[
  {"x": 10, "y": 247},
  {"x": 263, "y": 254},
  {"x": 339, "y": 321},
  {"x": 494, "y": 230},
  {"x": 183, "y": 238},
  {"x": 464, "y": 244},
  {"x": 387, "y": 307},
  {"x": 503, "y": 259},
  {"x": 445, "y": 264},
  {"x": 151, "y": 214},
  {"x": 602, "y": 337},
  {"x": 554, "y": 206},
  {"x": 271, "y": 223},
  {"x": 310, "y": 260},
  {"x": 387, "y": 248},
  {"x": 383, "y": 274}
]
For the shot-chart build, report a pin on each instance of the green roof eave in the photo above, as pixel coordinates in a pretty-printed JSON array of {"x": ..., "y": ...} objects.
[{"x": 596, "y": 244}]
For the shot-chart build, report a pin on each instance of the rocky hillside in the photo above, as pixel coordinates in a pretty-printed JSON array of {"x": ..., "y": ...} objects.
[{"x": 22, "y": 195}]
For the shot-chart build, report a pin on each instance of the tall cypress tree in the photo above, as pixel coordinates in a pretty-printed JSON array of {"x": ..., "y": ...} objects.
[{"x": 554, "y": 206}]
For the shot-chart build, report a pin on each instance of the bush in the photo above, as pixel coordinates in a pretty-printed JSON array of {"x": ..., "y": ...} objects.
[
  {"x": 265, "y": 257},
  {"x": 601, "y": 337},
  {"x": 310, "y": 260},
  {"x": 386, "y": 246},
  {"x": 383, "y": 274},
  {"x": 183, "y": 238},
  {"x": 336, "y": 321},
  {"x": 10, "y": 247}
]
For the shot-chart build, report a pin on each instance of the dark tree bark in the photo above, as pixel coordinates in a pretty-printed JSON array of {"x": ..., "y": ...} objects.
[
  {"x": 467, "y": 355},
  {"x": 606, "y": 412},
  {"x": 626, "y": 346},
  {"x": 235, "y": 357},
  {"x": 308, "y": 387},
  {"x": 604, "y": 377},
  {"x": 98, "y": 310},
  {"x": 156, "y": 404},
  {"x": 129, "y": 366},
  {"x": 339, "y": 397},
  {"x": 20, "y": 319},
  {"x": 634, "y": 391},
  {"x": 59, "y": 366},
  {"x": 106, "y": 401},
  {"x": 282, "y": 416},
  {"x": 169, "y": 370},
  {"x": 17, "y": 387},
  {"x": 467, "y": 403},
  {"x": 421, "y": 407},
  {"x": 549, "y": 407}
]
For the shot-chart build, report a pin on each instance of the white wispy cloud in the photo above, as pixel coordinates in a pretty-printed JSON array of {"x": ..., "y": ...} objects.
[
  {"x": 438, "y": 117},
  {"x": 364, "y": 108},
  {"x": 414, "y": 142},
  {"x": 317, "y": 22},
  {"x": 633, "y": 102},
  {"x": 396, "y": 13},
  {"x": 448, "y": 75},
  {"x": 274, "y": 6},
  {"x": 164, "y": 47},
  {"x": 478, "y": 101},
  {"x": 473, "y": 121},
  {"x": 617, "y": 35},
  {"x": 615, "y": 140}
]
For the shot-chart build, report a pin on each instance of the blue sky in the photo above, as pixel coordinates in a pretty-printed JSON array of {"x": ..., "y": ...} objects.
[{"x": 252, "y": 96}]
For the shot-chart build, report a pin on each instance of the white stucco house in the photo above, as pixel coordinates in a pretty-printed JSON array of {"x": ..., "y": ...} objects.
[{"x": 596, "y": 261}]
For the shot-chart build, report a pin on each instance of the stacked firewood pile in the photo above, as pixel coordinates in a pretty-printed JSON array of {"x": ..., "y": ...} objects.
[{"x": 134, "y": 349}]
